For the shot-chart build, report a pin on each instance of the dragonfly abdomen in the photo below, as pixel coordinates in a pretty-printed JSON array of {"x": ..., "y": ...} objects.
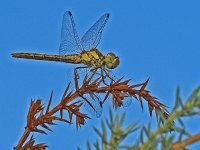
[{"x": 74, "y": 59}]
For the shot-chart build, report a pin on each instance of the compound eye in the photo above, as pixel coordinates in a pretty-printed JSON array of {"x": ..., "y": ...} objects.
[
  {"x": 111, "y": 61},
  {"x": 115, "y": 62}
]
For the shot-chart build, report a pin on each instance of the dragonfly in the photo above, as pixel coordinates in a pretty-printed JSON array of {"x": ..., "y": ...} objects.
[
  {"x": 75, "y": 51},
  {"x": 81, "y": 51}
]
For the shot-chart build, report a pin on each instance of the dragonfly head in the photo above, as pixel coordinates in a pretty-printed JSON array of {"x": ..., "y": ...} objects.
[{"x": 111, "y": 61}]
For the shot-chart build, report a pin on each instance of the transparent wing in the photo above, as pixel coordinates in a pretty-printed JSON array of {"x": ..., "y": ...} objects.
[
  {"x": 70, "y": 42},
  {"x": 93, "y": 105},
  {"x": 127, "y": 100},
  {"x": 92, "y": 101},
  {"x": 92, "y": 37}
]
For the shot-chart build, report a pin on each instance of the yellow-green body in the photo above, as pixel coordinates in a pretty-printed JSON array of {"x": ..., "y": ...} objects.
[{"x": 92, "y": 58}]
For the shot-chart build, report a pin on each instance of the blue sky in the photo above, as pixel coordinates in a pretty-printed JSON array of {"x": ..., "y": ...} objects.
[{"x": 156, "y": 39}]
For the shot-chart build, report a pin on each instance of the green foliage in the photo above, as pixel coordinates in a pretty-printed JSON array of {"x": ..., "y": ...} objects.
[
  {"x": 167, "y": 136},
  {"x": 116, "y": 135}
]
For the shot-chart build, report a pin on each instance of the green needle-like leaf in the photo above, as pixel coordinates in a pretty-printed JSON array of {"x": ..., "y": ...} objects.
[
  {"x": 104, "y": 132},
  {"x": 88, "y": 145},
  {"x": 194, "y": 94},
  {"x": 111, "y": 116},
  {"x": 181, "y": 122},
  {"x": 122, "y": 119},
  {"x": 98, "y": 132}
]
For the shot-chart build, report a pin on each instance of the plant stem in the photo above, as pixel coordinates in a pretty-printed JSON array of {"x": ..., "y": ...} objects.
[
  {"x": 188, "y": 141},
  {"x": 23, "y": 138}
]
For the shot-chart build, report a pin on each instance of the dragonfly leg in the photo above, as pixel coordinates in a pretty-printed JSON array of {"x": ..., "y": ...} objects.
[
  {"x": 103, "y": 77},
  {"x": 100, "y": 74},
  {"x": 77, "y": 68},
  {"x": 106, "y": 75},
  {"x": 108, "y": 71},
  {"x": 112, "y": 78},
  {"x": 94, "y": 70}
]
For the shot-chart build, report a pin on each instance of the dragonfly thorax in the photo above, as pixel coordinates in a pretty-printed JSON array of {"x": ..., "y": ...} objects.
[{"x": 93, "y": 58}]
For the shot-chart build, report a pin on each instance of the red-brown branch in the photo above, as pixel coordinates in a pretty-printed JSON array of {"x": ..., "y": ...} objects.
[{"x": 38, "y": 117}]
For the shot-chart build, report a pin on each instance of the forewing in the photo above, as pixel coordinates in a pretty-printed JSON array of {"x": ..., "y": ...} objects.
[
  {"x": 70, "y": 42},
  {"x": 92, "y": 37}
]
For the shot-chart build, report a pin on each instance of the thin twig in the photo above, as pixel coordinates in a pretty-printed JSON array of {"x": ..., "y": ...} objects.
[
  {"x": 186, "y": 142},
  {"x": 37, "y": 116}
]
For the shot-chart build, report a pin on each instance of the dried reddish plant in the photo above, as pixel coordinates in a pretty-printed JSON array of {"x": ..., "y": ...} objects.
[{"x": 43, "y": 117}]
